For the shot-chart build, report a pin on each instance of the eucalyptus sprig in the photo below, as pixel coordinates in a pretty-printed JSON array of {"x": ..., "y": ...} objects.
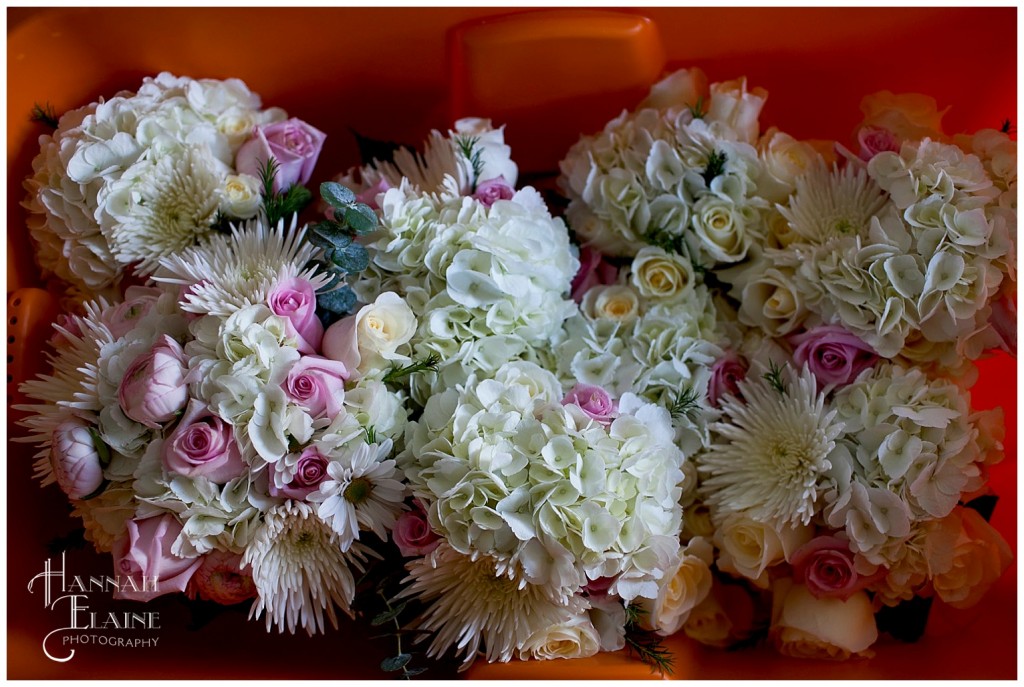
[
  {"x": 648, "y": 646},
  {"x": 401, "y": 659},
  {"x": 45, "y": 114},
  {"x": 279, "y": 205}
]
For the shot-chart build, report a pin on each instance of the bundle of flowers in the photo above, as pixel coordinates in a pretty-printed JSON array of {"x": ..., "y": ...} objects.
[
  {"x": 124, "y": 182},
  {"x": 218, "y": 441},
  {"x": 809, "y": 315}
]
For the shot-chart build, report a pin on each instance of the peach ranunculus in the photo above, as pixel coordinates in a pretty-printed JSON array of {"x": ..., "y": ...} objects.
[
  {"x": 907, "y": 115},
  {"x": 827, "y": 628},
  {"x": 979, "y": 559}
]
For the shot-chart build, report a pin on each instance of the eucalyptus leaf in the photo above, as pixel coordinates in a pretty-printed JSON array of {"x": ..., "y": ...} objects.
[
  {"x": 329, "y": 235},
  {"x": 352, "y": 259},
  {"x": 388, "y": 616},
  {"x": 395, "y": 663},
  {"x": 338, "y": 301},
  {"x": 336, "y": 195},
  {"x": 361, "y": 218}
]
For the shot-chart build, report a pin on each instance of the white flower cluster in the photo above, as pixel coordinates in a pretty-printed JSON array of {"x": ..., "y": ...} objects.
[{"x": 141, "y": 176}]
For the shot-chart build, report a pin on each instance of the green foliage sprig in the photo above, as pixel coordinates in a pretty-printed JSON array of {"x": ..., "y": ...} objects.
[
  {"x": 45, "y": 114},
  {"x": 278, "y": 205},
  {"x": 397, "y": 373},
  {"x": 686, "y": 403},
  {"x": 468, "y": 148},
  {"x": 647, "y": 645},
  {"x": 715, "y": 166},
  {"x": 774, "y": 377}
]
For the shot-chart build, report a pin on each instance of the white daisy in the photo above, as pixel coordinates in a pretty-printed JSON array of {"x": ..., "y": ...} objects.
[
  {"x": 770, "y": 453},
  {"x": 300, "y": 571},
  {"x": 474, "y": 607},
  {"x": 162, "y": 206},
  {"x": 361, "y": 491},
  {"x": 231, "y": 272},
  {"x": 829, "y": 204}
]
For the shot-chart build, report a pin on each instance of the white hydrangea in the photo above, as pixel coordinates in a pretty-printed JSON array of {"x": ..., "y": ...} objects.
[{"x": 507, "y": 471}]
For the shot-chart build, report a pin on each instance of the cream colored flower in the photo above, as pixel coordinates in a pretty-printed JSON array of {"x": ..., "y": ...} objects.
[
  {"x": 749, "y": 547},
  {"x": 575, "y": 637},
  {"x": 736, "y": 107},
  {"x": 827, "y": 628},
  {"x": 785, "y": 160},
  {"x": 680, "y": 591},
  {"x": 240, "y": 196},
  {"x": 657, "y": 274},
  {"x": 908, "y": 115},
  {"x": 618, "y": 303},
  {"x": 979, "y": 558}
]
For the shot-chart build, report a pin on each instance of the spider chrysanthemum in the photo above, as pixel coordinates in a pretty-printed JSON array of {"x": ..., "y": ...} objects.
[
  {"x": 770, "y": 451},
  {"x": 831, "y": 204},
  {"x": 231, "y": 272},
  {"x": 300, "y": 572},
  {"x": 474, "y": 607}
]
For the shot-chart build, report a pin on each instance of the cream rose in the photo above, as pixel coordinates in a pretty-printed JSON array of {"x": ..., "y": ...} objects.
[
  {"x": 784, "y": 159},
  {"x": 727, "y": 615},
  {"x": 979, "y": 558},
  {"x": 749, "y": 547},
  {"x": 619, "y": 303},
  {"x": 826, "y": 628},
  {"x": 656, "y": 274},
  {"x": 677, "y": 91},
  {"x": 681, "y": 591},
  {"x": 240, "y": 196},
  {"x": 373, "y": 334},
  {"x": 772, "y": 301},
  {"x": 574, "y": 638},
  {"x": 736, "y": 107},
  {"x": 722, "y": 228}
]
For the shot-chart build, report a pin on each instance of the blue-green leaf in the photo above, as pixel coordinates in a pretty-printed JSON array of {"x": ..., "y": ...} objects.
[
  {"x": 336, "y": 195},
  {"x": 361, "y": 218},
  {"x": 339, "y": 301},
  {"x": 395, "y": 663},
  {"x": 352, "y": 259}
]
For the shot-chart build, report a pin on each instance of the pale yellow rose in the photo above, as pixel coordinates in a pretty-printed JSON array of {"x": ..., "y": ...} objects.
[
  {"x": 681, "y": 591},
  {"x": 574, "y": 638},
  {"x": 908, "y": 115},
  {"x": 826, "y": 628},
  {"x": 733, "y": 105},
  {"x": 656, "y": 274},
  {"x": 750, "y": 547},
  {"x": 772, "y": 301},
  {"x": 677, "y": 91},
  {"x": 979, "y": 559},
  {"x": 785, "y": 159},
  {"x": 619, "y": 303},
  {"x": 372, "y": 335},
  {"x": 240, "y": 196}
]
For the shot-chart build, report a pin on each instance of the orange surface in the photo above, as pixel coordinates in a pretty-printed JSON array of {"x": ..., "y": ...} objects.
[{"x": 385, "y": 73}]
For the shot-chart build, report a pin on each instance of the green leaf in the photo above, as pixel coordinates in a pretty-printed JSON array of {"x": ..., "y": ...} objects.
[
  {"x": 352, "y": 259},
  {"x": 339, "y": 301},
  {"x": 328, "y": 235},
  {"x": 296, "y": 198},
  {"x": 388, "y": 615},
  {"x": 410, "y": 672},
  {"x": 361, "y": 218},
  {"x": 395, "y": 663},
  {"x": 44, "y": 114},
  {"x": 336, "y": 195}
]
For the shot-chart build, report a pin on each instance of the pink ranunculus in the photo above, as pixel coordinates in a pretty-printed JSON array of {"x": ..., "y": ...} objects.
[
  {"x": 310, "y": 471},
  {"x": 222, "y": 579},
  {"x": 874, "y": 141},
  {"x": 490, "y": 191},
  {"x": 594, "y": 402},
  {"x": 295, "y": 300},
  {"x": 123, "y": 317},
  {"x": 598, "y": 587},
  {"x": 726, "y": 374},
  {"x": 143, "y": 561},
  {"x": 369, "y": 195},
  {"x": 153, "y": 389},
  {"x": 834, "y": 355},
  {"x": 825, "y": 566},
  {"x": 60, "y": 340},
  {"x": 318, "y": 385},
  {"x": 1004, "y": 322},
  {"x": 74, "y": 458},
  {"x": 203, "y": 445},
  {"x": 412, "y": 533},
  {"x": 594, "y": 271},
  {"x": 294, "y": 144}
]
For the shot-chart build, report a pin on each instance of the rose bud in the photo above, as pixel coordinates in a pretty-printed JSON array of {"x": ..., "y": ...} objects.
[
  {"x": 221, "y": 579},
  {"x": 593, "y": 401},
  {"x": 834, "y": 355},
  {"x": 490, "y": 191},
  {"x": 295, "y": 300},
  {"x": 310, "y": 471},
  {"x": 412, "y": 533},
  {"x": 153, "y": 389},
  {"x": 726, "y": 374}
]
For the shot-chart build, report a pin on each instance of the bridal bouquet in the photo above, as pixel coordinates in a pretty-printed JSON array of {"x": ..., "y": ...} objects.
[{"x": 124, "y": 182}]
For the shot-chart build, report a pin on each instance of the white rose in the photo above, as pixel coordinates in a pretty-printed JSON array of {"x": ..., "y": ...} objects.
[
  {"x": 732, "y": 105},
  {"x": 495, "y": 155},
  {"x": 679, "y": 90},
  {"x": 617, "y": 303},
  {"x": 785, "y": 159},
  {"x": 657, "y": 274},
  {"x": 240, "y": 196},
  {"x": 749, "y": 548},
  {"x": 373, "y": 334},
  {"x": 681, "y": 591},
  {"x": 771, "y": 300},
  {"x": 826, "y": 628},
  {"x": 723, "y": 228},
  {"x": 575, "y": 637}
]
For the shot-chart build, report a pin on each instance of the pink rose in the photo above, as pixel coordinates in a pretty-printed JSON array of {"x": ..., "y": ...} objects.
[
  {"x": 412, "y": 534},
  {"x": 153, "y": 389},
  {"x": 874, "y": 141},
  {"x": 203, "y": 445},
  {"x": 594, "y": 271},
  {"x": 594, "y": 402},
  {"x": 825, "y": 566},
  {"x": 726, "y": 374},
  {"x": 75, "y": 460},
  {"x": 834, "y": 355},
  {"x": 295, "y": 146},
  {"x": 295, "y": 300},
  {"x": 123, "y": 317},
  {"x": 144, "y": 556},
  {"x": 221, "y": 579},
  {"x": 490, "y": 191},
  {"x": 310, "y": 471},
  {"x": 599, "y": 587},
  {"x": 318, "y": 385}
]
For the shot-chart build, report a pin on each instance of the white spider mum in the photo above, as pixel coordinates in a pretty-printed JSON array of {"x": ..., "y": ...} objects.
[
  {"x": 163, "y": 205},
  {"x": 829, "y": 204},
  {"x": 300, "y": 572},
  {"x": 231, "y": 272},
  {"x": 474, "y": 607},
  {"x": 361, "y": 491},
  {"x": 770, "y": 452}
]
